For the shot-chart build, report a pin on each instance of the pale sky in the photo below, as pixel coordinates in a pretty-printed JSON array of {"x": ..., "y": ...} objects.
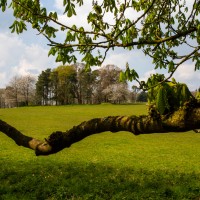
[{"x": 27, "y": 53}]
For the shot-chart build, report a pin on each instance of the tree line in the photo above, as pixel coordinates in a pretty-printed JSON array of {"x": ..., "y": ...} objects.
[{"x": 70, "y": 84}]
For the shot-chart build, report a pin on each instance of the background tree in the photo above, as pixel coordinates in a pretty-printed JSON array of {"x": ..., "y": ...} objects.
[
  {"x": 2, "y": 98},
  {"x": 86, "y": 80},
  {"x": 107, "y": 75},
  {"x": 69, "y": 84},
  {"x": 54, "y": 85},
  {"x": 142, "y": 97},
  {"x": 116, "y": 93},
  {"x": 43, "y": 84},
  {"x": 13, "y": 91},
  {"x": 27, "y": 88},
  {"x": 66, "y": 83},
  {"x": 135, "y": 92}
]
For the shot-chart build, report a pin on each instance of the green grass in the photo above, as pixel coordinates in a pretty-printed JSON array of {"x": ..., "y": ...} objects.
[{"x": 102, "y": 166}]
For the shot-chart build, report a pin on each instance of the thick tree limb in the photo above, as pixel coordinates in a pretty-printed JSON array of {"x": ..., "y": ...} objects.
[
  {"x": 180, "y": 121},
  {"x": 19, "y": 138}
]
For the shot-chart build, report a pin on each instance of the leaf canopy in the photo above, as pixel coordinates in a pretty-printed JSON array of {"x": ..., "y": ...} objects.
[{"x": 161, "y": 28}]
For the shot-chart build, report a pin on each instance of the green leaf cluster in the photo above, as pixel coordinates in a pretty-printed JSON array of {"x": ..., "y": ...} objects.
[
  {"x": 162, "y": 103},
  {"x": 3, "y": 4},
  {"x": 129, "y": 74},
  {"x": 70, "y": 8},
  {"x": 18, "y": 27},
  {"x": 90, "y": 60},
  {"x": 167, "y": 96}
]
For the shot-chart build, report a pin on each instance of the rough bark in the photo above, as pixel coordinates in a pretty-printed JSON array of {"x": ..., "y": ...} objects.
[{"x": 180, "y": 121}]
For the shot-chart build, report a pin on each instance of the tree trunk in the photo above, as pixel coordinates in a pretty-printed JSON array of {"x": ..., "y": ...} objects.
[{"x": 180, "y": 121}]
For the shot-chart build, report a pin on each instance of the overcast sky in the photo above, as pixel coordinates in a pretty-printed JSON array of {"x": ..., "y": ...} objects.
[{"x": 27, "y": 53}]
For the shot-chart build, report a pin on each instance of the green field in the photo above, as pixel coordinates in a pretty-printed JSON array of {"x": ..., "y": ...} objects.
[{"x": 102, "y": 166}]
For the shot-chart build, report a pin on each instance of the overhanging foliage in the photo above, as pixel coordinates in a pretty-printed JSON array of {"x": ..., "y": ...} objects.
[{"x": 157, "y": 27}]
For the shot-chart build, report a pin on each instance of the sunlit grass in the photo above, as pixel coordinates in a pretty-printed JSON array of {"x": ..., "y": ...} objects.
[{"x": 102, "y": 166}]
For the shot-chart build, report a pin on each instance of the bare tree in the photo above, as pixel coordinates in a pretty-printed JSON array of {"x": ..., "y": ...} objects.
[
  {"x": 27, "y": 88},
  {"x": 13, "y": 92}
]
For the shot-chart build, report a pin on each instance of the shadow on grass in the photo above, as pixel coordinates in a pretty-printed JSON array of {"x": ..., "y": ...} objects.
[{"x": 93, "y": 181}]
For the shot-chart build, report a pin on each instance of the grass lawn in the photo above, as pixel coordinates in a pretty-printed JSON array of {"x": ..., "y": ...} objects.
[{"x": 102, "y": 166}]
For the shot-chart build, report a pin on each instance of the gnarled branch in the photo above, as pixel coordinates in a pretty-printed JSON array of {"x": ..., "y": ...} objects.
[{"x": 179, "y": 121}]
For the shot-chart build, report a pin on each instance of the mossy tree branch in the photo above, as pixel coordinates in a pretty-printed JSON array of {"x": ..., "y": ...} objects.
[{"x": 180, "y": 121}]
